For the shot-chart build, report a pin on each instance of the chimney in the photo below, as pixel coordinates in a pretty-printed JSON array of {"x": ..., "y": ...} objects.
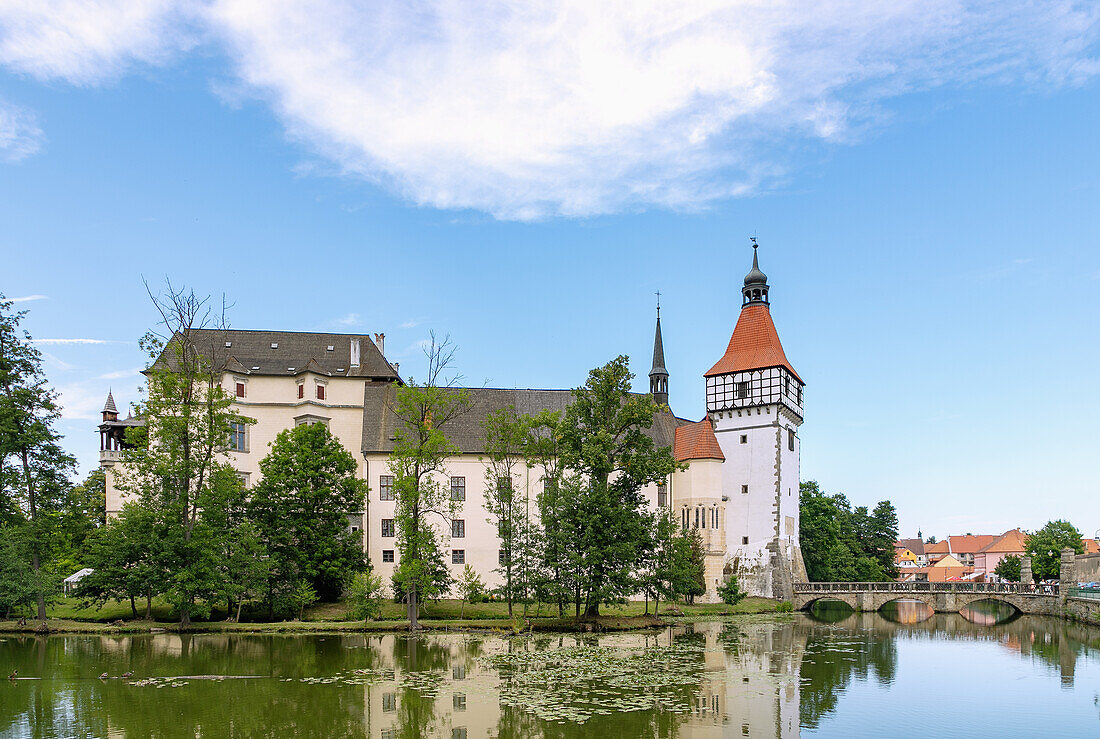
[
  {"x": 355, "y": 352},
  {"x": 397, "y": 367},
  {"x": 380, "y": 342}
]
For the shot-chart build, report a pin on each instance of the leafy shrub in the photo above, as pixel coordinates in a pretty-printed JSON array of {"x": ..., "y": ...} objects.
[
  {"x": 730, "y": 594},
  {"x": 784, "y": 606}
]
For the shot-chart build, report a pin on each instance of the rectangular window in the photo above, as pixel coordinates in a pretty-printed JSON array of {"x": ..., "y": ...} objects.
[
  {"x": 790, "y": 439},
  {"x": 458, "y": 701},
  {"x": 385, "y": 487},
  {"x": 744, "y": 490},
  {"x": 458, "y": 488},
  {"x": 662, "y": 495},
  {"x": 744, "y": 540},
  {"x": 458, "y": 556},
  {"x": 387, "y": 555},
  {"x": 238, "y": 440},
  {"x": 504, "y": 484},
  {"x": 800, "y": 396},
  {"x": 301, "y": 391},
  {"x": 389, "y": 702},
  {"x": 320, "y": 392},
  {"x": 714, "y": 518},
  {"x": 387, "y": 527},
  {"x": 743, "y": 389},
  {"x": 243, "y": 477},
  {"x": 744, "y": 438},
  {"x": 684, "y": 518},
  {"x": 240, "y": 389},
  {"x": 458, "y": 528},
  {"x": 696, "y": 518},
  {"x": 502, "y": 557}
]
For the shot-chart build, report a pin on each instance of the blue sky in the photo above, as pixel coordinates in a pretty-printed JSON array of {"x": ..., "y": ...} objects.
[{"x": 923, "y": 181}]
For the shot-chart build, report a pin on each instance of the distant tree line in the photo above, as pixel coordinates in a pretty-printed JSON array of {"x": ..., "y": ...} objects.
[{"x": 845, "y": 544}]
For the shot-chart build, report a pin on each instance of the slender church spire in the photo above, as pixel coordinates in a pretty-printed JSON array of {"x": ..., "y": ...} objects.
[{"x": 658, "y": 376}]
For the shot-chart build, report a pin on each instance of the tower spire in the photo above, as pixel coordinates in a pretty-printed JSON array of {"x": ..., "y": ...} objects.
[
  {"x": 658, "y": 376},
  {"x": 755, "y": 291}
]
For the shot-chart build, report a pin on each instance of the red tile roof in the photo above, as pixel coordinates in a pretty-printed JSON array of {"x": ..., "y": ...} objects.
[
  {"x": 697, "y": 441},
  {"x": 970, "y": 544},
  {"x": 753, "y": 345},
  {"x": 1010, "y": 541}
]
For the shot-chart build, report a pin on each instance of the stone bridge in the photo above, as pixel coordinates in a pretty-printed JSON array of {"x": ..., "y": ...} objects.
[{"x": 942, "y": 597}]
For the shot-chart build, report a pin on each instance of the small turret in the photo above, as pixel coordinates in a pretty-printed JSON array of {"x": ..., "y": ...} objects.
[
  {"x": 658, "y": 376},
  {"x": 110, "y": 412}
]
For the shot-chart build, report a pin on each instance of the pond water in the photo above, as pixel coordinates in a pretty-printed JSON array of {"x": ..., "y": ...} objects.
[{"x": 904, "y": 672}]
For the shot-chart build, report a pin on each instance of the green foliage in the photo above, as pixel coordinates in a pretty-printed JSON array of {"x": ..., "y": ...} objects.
[
  {"x": 1008, "y": 568},
  {"x": 172, "y": 464},
  {"x": 607, "y": 459},
  {"x": 366, "y": 595},
  {"x": 300, "y": 508},
  {"x": 471, "y": 588},
  {"x": 302, "y": 597},
  {"x": 730, "y": 594},
  {"x": 126, "y": 558},
  {"x": 420, "y": 452},
  {"x": 784, "y": 606},
  {"x": 841, "y": 544},
  {"x": 34, "y": 469},
  {"x": 1045, "y": 548},
  {"x": 690, "y": 565},
  {"x": 17, "y": 579},
  {"x": 506, "y": 434}
]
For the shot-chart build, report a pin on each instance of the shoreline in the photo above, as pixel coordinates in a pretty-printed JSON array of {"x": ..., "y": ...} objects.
[{"x": 602, "y": 624}]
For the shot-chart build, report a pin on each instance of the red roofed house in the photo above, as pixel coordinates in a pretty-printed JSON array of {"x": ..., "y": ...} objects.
[{"x": 1010, "y": 542}]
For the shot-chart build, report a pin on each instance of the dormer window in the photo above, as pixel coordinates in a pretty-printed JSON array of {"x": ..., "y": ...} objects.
[
  {"x": 330, "y": 348},
  {"x": 228, "y": 344}
]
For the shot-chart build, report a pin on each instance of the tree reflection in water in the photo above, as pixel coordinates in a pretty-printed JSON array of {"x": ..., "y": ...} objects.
[{"x": 740, "y": 678}]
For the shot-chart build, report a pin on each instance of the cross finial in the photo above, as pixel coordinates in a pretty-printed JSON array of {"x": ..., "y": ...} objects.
[
  {"x": 753, "y": 240},
  {"x": 658, "y": 303}
]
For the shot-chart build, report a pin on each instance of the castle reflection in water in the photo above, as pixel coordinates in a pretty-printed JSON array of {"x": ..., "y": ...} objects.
[{"x": 762, "y": 678}]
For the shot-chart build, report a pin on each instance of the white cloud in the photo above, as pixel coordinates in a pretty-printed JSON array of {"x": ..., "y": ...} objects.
[
  {"x": 570, "y": 107},
  {"x": 575, "y": 108},
  {"x": 82, "y": 400},
  {"x": 351, "y": 319},
  {"x": 88, "y": 41},
  {"x": 20, "y": 137},
  {"x": 29, "y": 298},
  {"x": 410, "y": 324},
  {"x": 120, "y": 374}
]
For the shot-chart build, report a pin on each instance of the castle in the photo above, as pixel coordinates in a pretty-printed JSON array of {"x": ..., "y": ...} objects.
[{"x": 739, "y": 488}]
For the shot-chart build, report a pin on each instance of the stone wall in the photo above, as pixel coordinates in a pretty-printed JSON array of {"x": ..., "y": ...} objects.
[{"x": 1088, "y": 568}]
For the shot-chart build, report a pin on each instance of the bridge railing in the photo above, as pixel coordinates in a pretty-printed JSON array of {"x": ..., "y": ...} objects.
[{"x": 805, "y": 588}]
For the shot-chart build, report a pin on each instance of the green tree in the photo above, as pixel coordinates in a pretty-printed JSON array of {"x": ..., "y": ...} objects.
[
  {"x": 34, "y": 469},
  {"x": 730, "y": 593},
  {"x": 125, "y": 557},
  {"x": 1008, "y": 568},
  {"x": 691, "y": 565},
  {"x": 602, "y": 443},
  {"x": 506, "y": 434},
  {"x": 365, "y": 596},
  {"x": 17, "y": 579},
  {"x": 470, "y": 588},
  {"x": 419, "y": 456},
  {"x": 842, "y": 544},
  {"x": 1045, "y": 548},
  {"x": 557, "y": 563},
  {"x": 301, "y": 507},
  {"x": 172, "y": 460}
]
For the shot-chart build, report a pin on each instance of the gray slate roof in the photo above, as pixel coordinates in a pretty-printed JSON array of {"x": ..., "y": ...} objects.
[
  {"x": 251, "y": 353},
  {"x": 109, "y": 406},
  {"x": 916, "y": 546},
  {"x": 466, "y": 431}
]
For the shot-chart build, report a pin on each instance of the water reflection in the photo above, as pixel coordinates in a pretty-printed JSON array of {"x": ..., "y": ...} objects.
[{"x": 747, "y": 678}]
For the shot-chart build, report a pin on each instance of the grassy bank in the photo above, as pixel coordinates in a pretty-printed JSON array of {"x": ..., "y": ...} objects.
[{"x": 67, "y": 616}]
